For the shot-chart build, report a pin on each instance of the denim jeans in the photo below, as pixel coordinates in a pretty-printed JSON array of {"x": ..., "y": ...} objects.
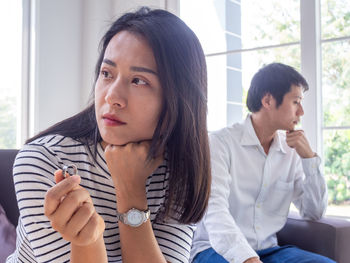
[{"x": 284, "y": 254}]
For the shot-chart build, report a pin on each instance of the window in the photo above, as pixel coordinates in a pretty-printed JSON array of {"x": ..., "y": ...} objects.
[
  {"x": 11, "y": 70},
  {"x": 335, "y": 48},
  {"x": 239, "y": 37}
]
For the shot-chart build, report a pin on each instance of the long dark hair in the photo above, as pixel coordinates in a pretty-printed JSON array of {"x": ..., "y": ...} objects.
[{"x": 182, "y": 126}]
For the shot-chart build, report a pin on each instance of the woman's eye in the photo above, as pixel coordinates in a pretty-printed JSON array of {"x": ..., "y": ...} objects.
[
  {"x": 138, "y": 81},
  {"x": 105, "y": 74}
]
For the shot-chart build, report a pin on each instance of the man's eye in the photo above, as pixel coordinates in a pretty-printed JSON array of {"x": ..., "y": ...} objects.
[{"x": 138, "y": 81}]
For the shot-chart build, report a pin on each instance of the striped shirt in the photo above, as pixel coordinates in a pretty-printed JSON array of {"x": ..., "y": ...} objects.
[{"x": 33, "y": 173}]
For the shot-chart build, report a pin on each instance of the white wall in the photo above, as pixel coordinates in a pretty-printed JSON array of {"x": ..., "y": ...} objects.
[
  {"x": 57, "y": 61},
  {"x": 66, "y": 39}
]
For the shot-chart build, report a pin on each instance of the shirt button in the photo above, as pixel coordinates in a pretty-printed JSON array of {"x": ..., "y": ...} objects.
[
  {"x": 258, "y": 206},
  {"x": 257, "y": 228}
]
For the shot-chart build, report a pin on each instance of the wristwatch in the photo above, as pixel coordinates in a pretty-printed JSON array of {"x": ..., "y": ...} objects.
[{"x": 133, "y": 217}]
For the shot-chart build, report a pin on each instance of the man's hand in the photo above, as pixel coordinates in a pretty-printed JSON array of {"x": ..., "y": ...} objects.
[
  {"x": 253, "y": 260},
  {"x": 297, "y": 140}
]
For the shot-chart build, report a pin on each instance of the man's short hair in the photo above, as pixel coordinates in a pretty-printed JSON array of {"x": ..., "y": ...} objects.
[{"x": 275, "y": 79}]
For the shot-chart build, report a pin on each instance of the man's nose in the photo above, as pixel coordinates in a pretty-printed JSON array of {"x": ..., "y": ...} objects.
[{"x": 300, "y": 111}]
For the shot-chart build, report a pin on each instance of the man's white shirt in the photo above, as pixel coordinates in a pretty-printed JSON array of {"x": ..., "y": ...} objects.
[{"x": 252, "y": 192}]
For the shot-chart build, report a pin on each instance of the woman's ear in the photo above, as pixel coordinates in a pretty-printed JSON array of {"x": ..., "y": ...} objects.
[{"x": 268, "y": 101}]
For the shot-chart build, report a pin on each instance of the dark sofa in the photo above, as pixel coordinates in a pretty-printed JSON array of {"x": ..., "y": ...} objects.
[{"x": 328, "y": 236}]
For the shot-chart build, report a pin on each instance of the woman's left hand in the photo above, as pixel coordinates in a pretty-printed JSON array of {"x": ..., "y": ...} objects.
[{"x": 129, "y": 169}]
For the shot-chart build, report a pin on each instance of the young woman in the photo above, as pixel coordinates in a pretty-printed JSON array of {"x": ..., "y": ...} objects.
[{"x": 141, "y": 149}]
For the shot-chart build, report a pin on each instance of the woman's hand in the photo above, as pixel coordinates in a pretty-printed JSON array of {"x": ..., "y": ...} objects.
[
  {"x": 71, "y": 212},
  {"x": 129, "y": 169}
]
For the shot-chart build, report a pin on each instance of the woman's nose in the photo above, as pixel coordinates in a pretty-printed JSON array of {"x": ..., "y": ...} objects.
[{"x": 116, "y": 95}]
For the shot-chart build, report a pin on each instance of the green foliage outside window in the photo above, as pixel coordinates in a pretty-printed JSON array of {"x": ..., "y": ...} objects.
[{"x": 337, "y": 165}]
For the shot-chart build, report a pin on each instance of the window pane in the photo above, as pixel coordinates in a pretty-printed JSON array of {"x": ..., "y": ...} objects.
[
  {"x": 270, "y": 22},
  {"x": 10, "y": 67},
  {"x": 335, "y": 18},
  {"x": 337, "y": 170},
  {"x": 336, "y": 83},
  {"x": 233, "y": 25},
  {"x": 217, "y": 24}
]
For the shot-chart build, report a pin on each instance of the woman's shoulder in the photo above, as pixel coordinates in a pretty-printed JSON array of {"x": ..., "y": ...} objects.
[
  {"x": 55, "y": 143},
  {"x": 51, "y": 147}
]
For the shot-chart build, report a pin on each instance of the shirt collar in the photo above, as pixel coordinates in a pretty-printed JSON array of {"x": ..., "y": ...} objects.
[
  {"x": 277, "y": 142},
  {"x": 249, "y": 136},
  {"x": 248, "y": 133}
]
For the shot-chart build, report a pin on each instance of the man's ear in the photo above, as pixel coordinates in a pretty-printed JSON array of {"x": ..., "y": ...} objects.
[{"x": 268, "y": 101}]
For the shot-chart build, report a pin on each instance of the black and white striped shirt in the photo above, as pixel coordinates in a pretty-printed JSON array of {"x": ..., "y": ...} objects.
[{"x": 33, "y": 175}]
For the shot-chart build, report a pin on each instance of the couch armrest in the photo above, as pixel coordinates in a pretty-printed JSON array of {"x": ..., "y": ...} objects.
[
  {"x": 7, "y": 190},
  {"x": 328, "y": 236}
]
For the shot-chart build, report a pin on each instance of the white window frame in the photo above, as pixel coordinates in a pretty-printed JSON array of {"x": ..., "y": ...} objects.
[{"x": 310, "y": 30}]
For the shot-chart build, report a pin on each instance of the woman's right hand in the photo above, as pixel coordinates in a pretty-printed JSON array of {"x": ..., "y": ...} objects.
[{"x": 71, "y": 212}]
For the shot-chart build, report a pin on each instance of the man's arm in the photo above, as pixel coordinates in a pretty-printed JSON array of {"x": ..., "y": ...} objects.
[
  {"x": 310, "y": 186},
  {"x": 225, "y": 236}
]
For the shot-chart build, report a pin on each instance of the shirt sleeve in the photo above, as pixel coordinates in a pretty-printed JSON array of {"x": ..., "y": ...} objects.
[
  {"x": 310, "y": 189},
  {"x": 225, "y": 236},
  {"x": 33, "y": 174},
  {"x": 174, "y": 240}
]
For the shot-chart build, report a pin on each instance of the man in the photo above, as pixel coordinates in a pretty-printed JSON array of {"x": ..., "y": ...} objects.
[{"x": 259, "y": 167}]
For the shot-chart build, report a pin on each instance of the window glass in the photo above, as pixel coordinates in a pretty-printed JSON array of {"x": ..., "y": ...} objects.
[
  {"x": 217, "y": 24},
  {"x": 337, "y": 171},
  {"x": 270, "y": 22},
  {"x": 336, "y": 83},
  {"x": 10, "y": 68},
  {"x": 335, "y": 17},
  {"x": 233, "y": 25}
]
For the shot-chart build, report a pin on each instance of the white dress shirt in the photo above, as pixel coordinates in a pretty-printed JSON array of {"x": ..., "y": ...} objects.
[{"x": 252, "y": 192}]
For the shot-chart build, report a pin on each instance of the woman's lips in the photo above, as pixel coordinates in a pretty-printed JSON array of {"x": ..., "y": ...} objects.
[{"x": 111, "y": 120}]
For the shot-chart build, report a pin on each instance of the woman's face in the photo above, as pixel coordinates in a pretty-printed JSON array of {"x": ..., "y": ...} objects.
[{"x": 128, "y": 95}]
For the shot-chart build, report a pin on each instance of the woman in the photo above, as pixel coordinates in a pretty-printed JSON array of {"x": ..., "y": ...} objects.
[{"x": 141, "y": 149}]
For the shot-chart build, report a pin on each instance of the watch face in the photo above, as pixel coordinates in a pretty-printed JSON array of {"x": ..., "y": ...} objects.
[{"x": 134, "y": 217}]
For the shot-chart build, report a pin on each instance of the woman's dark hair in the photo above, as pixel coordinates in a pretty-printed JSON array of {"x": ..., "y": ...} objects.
[
  {"x": 182, "y": 126},
  {"x": 275, "y": 79}
]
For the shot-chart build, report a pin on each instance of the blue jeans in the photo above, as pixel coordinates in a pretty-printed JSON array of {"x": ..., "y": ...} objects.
[{"x": 284, "y": 254}]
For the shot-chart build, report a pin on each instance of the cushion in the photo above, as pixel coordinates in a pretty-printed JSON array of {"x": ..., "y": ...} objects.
[{"x": 7, "y": 236}]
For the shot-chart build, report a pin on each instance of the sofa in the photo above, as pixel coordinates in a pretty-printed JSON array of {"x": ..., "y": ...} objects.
[{"x": 329, "y": 236}]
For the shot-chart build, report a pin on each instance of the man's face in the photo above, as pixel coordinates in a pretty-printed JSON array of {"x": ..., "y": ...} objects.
[{"x": 288, "y": 114}]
